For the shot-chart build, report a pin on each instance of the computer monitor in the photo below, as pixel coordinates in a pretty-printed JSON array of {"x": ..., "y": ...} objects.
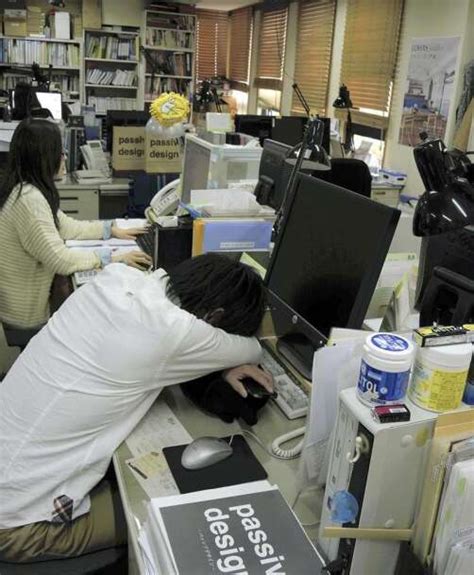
[
  {"x": 195, "y": 173},
  {"x": 53, "y": 102},
  {"x": 325, "y": 265},
  {"x": 207, "y": 165},
  {"x": 122, "y": 118},
  {"x": 453, "y": 250},
  {"x": 258, "y": 126},
  {"x": 289, "y": 129},
  {"x": 269, "y": 191}
]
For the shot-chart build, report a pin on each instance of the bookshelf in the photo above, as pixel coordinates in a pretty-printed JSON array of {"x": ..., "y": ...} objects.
[
  {"x": 169, "y": 39},
  {"x": 17, "y": 54},
  {"x": 111, "y": 73}
]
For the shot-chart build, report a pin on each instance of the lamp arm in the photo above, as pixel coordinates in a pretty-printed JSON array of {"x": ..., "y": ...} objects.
[
  {"x": 292, "y": 179},
  {"x": 302, "y": 99}
]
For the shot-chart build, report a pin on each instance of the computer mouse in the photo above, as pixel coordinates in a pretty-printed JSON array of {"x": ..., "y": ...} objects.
[
  {"x": 205, "y": 451},
  {"x": 256, "y": 390}
]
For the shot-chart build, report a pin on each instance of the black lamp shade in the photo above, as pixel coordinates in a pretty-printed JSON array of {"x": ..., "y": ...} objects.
[{"x": 439, "y": 212}]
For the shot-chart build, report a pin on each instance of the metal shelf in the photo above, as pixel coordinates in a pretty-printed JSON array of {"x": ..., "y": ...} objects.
[
  {"x": 148, "y": 74},
  {"x": 163, "y": 49},
  {"x": 77, "y": 41},
  {"x": 112, "y": 87},
  {"x": 110, "y": 60}
]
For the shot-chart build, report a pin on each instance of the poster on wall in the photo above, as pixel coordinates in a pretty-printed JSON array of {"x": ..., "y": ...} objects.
[{"x": 429, "y": 88}]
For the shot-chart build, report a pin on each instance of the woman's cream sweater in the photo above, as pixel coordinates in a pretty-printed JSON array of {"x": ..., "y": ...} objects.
[{"x": 32, "y": 251}]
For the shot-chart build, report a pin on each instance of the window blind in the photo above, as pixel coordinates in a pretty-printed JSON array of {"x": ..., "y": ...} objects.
[
  {"x": 271, "y": 51},
  {"x": 240, "y": 41},
  {"x": 370, "y": 51},
  {"x": 211, "y": 45},
  {"x": 313, "y": 53}
]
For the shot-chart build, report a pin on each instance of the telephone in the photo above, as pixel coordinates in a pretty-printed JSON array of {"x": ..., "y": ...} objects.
[
  {"x": 94, "y": 156},
  {"x": 165, "y": 202}
]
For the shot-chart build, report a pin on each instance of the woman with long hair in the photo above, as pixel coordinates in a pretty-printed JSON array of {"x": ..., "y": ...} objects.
[{"x": 33, "y": 229}]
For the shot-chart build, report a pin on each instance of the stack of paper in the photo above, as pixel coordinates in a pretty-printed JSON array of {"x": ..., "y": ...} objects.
[
  {"x": 228, "y": 202},
  {"x": 246, "y": 528},
  {"x": 454, "y": 539}
]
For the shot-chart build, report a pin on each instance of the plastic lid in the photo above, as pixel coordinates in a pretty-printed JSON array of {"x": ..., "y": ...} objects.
[
  {"x": 449, "y": 355},
  {"x": 390, "y": 346}
]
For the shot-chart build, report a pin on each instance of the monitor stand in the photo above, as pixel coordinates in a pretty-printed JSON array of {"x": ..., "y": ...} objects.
[{"x": 298, "y": 350}]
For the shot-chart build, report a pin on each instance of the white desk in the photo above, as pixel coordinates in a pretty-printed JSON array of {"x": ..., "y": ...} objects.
[
  {"x": 85, "y": 201},
  {"x": 271, "y": 424}
]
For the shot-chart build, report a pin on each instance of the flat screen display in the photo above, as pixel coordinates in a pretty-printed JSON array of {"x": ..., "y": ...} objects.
[{"x": 329, "y": 254}]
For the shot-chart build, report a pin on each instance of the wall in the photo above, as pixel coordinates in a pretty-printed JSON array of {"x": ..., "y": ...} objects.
[{"x": 424, "y": 18}]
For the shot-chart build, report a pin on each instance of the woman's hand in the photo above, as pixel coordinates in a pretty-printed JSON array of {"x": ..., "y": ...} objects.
[
  {"x": 135, "y": 259},
  {"x": 235, "y": 376},
  {"x": 127, "y": 233}
]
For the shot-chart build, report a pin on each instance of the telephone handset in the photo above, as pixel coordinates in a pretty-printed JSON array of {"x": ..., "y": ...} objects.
[
  {"x": 165, "y": 202},
  {"x": 94, "y": 156}
]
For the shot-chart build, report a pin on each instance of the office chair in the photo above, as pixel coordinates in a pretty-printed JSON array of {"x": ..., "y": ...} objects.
[{"x": 354, "y": 175}]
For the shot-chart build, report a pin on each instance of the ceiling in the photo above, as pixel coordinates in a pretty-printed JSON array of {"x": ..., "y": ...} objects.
[{"x": 225, "y": 5}]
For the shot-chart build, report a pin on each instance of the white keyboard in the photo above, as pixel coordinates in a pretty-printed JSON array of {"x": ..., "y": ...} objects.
[
  {"x": 84, "y": 276},
  {"x": 291, "y": 399}
]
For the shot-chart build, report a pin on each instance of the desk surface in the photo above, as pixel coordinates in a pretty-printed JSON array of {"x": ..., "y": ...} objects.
[
  {"x": 271, "y": 424},
  {"x": 68, "y": 183}
]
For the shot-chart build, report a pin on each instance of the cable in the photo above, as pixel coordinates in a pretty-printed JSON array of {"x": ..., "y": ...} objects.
[
  {"x": 264, "y": 447},
  {"x": 288, "y": 453}
]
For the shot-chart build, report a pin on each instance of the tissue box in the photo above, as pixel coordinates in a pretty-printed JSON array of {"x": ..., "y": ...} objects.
[{"x": 393, "y": 177}]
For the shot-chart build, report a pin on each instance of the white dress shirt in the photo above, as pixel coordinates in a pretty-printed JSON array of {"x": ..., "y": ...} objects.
[{"x": 86, "y": 380}]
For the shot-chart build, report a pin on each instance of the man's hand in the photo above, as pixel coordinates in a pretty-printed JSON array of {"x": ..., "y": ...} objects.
[
  {"x": 135, "y": 259},
  {"x": 235, "y": 376},
  {"x": 127, "y": 233}
]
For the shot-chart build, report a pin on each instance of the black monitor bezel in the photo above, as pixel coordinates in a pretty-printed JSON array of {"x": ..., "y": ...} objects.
[{"x": 366, "y": 288}]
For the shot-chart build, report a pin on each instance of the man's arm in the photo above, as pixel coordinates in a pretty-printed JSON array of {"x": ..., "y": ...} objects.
[{"x": 206, "y": 349}]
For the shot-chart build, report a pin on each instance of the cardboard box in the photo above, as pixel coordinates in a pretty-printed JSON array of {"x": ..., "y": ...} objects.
[
  {"x": 92, "y": 14},
  {"x": 77, "y": 28},
  {"x": 14, "y": 23},
  {"x": 35, "y": 21},
  {"x": 61, "y": 26}
]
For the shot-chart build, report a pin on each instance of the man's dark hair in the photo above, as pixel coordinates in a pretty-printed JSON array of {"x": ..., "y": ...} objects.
[{"x": 206, "y": 283}]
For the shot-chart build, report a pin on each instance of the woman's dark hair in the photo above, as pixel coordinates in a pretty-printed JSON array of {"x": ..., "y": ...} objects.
[
  {"x": 206, "y": 283},
  {"x": 34, "y": 158},
  {"x": 25, "y": 100}
]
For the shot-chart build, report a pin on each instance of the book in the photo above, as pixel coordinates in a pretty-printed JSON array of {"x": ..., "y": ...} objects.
[{"x": 243, "y": 529}]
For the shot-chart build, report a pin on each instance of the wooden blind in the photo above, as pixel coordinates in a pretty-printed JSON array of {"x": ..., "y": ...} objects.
[
  {"x": 313, "y": 53},
  {"x": 370, "y": 51},
  {"x": 240, "y": 39},
  {"x": 211, "y": 45},
  {"x": 271, "y": 51}
]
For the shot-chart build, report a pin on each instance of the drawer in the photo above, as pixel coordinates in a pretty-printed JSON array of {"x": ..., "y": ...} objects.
[
  {"x": 80, "y": 204},
  {"x": 386, "y": 196}
]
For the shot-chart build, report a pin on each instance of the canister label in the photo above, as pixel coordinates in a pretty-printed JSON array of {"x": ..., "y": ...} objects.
[
  {"x": 437, "y": 390},
  {"x": 377, "y": 387}
]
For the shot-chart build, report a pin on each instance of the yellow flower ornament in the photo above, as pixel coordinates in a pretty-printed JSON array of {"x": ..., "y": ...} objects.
[{"x": 169, "y": 109}]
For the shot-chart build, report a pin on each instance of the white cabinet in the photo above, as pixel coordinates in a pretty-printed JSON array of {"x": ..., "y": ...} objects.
[{"x": 79, "y": 202}]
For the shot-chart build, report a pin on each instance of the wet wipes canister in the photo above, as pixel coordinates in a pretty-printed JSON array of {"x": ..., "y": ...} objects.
[
  {"x": 385, "y": 369},
  {"x": 439, "y": 376}
]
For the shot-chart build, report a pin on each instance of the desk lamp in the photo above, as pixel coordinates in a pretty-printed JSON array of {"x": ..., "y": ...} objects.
[
  {"x": 448, "y": 202},
  {"x": 310, "y": 155}
]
